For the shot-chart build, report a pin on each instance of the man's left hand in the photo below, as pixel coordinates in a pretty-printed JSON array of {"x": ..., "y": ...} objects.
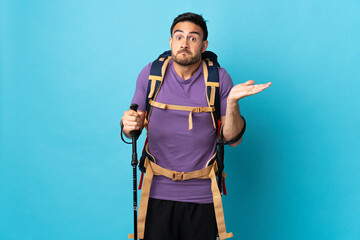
[{"x": 246, "y": 89}]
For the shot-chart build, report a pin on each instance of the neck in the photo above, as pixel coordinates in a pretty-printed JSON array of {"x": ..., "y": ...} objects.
[{"x": 186, "y": 72}]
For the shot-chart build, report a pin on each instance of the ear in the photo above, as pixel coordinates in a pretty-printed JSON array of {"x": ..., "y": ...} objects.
[
  {"x": 204, "y": 46},
  {"x": 170, "y": 41}
]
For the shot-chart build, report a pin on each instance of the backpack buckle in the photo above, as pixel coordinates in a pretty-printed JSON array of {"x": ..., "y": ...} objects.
[
  {"x": 177, "y": 176},
  {"x": 200, "y": 109}
]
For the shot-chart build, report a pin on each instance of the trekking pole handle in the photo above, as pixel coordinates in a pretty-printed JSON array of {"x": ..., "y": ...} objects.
[
  {"x": 134, "y": 133},
  {"x": 134, "y": 107}
]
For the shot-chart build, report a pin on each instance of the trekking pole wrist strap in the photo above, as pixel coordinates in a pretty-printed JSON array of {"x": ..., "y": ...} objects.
[
  {"x": 121, "y": 134},
  {"x": 234, "y": 140}
]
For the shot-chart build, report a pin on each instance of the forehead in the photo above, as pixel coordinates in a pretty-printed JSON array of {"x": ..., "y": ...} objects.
[{"x": 188, "y": 27}]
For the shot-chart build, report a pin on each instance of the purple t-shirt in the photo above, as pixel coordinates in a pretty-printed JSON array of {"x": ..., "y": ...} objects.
[{"x": 173, "y": 145}]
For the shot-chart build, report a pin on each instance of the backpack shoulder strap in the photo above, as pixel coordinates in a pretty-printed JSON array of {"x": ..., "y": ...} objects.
[
  {"x": 211, "y": 77},
  {"x": 156, "y": 77}
]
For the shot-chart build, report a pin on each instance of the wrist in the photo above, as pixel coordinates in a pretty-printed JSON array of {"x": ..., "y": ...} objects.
[{"x": 232, "y": 102}]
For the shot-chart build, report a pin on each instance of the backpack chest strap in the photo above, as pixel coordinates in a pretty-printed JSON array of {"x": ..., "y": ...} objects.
[{"x": 183, "y": 108}]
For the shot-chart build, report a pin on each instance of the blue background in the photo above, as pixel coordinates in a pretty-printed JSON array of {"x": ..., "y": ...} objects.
[{"x": 68, "y": 72}]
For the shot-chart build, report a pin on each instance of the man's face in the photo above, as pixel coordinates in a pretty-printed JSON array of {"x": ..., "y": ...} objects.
[{"x": 187, "y": 43}]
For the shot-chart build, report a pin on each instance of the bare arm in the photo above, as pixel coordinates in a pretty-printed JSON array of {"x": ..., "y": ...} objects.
[{"x": 232, "y": 121}]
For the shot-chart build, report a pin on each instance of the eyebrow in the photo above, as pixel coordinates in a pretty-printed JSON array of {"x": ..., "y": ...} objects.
[{"x": 190, "y": 32}]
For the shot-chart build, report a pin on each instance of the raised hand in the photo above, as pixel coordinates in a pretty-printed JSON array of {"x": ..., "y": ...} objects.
[{"x": 246, "y": 89}]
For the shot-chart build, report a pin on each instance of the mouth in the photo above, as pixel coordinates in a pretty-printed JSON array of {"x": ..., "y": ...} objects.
[{"x": 184, "y": 52}]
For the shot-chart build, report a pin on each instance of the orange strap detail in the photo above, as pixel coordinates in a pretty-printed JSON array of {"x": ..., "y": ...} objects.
[
  {"x": 154, "y": 78},
  {"x": 212, "y": 95},
  {"x": 219, "y": 213},
  {"x": 153, "y": 83},
  {"x": 209, "y": 61},
  {"x": 180, "y": 176},
  {"x": 144, "y": 200},
  {"x": 182, "y": 108}
]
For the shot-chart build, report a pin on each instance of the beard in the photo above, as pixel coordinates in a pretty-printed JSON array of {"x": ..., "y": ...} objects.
[{"x": 185, "y": 61}]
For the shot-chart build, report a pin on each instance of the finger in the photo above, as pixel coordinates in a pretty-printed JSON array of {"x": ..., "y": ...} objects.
[
  {"x": 132, "y": 112},
  {"x": 266, "y": 85},
  {"x": 131, "y": 118},
  {"x": 131, "y": 126},
  {"x": 141, "y": 113},
  {"x": 255, "y": 91},
  {"x": 248, "y": 83},
  {"x": 261, "y": 86},
  {"x": 130, "y": 122}
]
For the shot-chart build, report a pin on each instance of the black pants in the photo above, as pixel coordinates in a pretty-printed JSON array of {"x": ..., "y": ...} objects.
[{"x": 170, "y": 220}]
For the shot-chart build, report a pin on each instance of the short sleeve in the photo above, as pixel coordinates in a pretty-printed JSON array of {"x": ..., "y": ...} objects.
[
  {"x": 141, "y": 88},
  {"x": 225, "y": 86}
]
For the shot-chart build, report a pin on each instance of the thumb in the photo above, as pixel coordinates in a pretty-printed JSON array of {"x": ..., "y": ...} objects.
[
  {"x": 141, "y": 113},
  {"x": 248, "y": 83}
]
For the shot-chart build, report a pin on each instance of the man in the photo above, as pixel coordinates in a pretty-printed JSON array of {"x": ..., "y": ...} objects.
[{"x": 184, "y": 210}]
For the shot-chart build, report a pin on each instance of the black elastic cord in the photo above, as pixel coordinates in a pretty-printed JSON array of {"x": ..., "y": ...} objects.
[
  {"x": 121, "y": 134},
  {"x": 234, "y": 140}
]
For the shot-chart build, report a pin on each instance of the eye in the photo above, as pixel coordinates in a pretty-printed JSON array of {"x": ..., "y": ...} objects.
[
  {"x": 193, "y": 39},
  {"x": 178, "y": 38}
]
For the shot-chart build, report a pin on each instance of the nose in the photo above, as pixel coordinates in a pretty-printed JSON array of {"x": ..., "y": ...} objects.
[{"x": 184, "y": 44}]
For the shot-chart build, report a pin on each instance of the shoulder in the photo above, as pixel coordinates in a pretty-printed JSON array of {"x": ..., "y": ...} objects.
[
  {"x": 224, "y": 78},
  {"x": 144, "y": 75},
  {"x": 146, "y": 70},
  {"x": 141, "y": 87}
]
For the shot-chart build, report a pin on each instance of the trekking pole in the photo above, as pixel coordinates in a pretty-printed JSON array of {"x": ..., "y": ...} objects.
[{"x": 134, "y": 135}]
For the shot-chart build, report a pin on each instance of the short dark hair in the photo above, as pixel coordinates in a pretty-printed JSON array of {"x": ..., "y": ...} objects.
[{"x": 191, "y": 17}]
